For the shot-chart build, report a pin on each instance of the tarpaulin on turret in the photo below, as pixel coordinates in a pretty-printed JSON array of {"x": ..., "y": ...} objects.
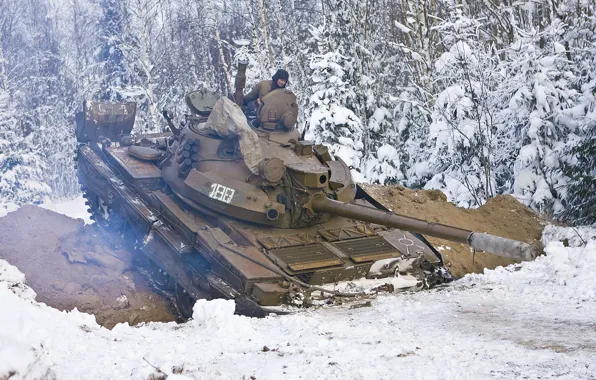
[{"x": 227, "y": 121}]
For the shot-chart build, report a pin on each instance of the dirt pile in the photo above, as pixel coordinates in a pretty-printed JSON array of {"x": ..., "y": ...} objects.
[
  {"x": 70, "y": 265},
  {"x": 502, "y": 216}
]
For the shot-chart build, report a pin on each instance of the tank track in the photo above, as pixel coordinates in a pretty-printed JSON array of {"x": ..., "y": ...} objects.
[{"x": 112, "y": 224}]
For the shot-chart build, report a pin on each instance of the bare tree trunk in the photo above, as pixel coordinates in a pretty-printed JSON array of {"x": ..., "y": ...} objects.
[
  {"x": 361, "y": 61},
  {"x": 3, "y": 78},
  {"x": 265, "y": 29},
  {"x": 255, "y": 37},
  {"x": 282, "y": 31},
  {"x": 222, "y": 57}
]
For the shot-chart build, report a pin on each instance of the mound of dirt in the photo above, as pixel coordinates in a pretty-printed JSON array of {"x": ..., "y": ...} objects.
[
  {"x": 502, "y": 216},
  {"x": 70, "y": 265}
]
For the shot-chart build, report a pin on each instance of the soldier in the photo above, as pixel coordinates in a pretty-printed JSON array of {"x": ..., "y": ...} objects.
[{"x": 279, "y": 80}]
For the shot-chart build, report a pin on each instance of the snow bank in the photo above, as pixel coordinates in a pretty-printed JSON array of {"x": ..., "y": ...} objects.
[
  {"x": 563, "y": 275},
  {"x": 73, "y": 208},
  {"x": 18, "y": 359},
  {"x": 6, "y": 208},
  {"x": 13, "y": 280},
  {"x": 218, "y": 317},
  {"x": 574, "y": 237}
]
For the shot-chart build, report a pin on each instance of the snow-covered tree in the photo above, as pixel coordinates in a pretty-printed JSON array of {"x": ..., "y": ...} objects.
[
  {"x": 581, "y": 188},
  {"x": 579, "y": 166},
  {"x": 464, "y": 134},
  {"x": 330, "y": 108},
  {"x": 352, "y": 76},
  {"x": 21, "y": 170},
  {"x": 142, "y": 56},
  {"x": 111, "y": 31},
  {"x": 537, "y": 109}
]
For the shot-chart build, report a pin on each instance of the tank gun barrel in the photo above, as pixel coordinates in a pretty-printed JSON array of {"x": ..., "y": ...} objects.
[{"x": 480, "y": 241}]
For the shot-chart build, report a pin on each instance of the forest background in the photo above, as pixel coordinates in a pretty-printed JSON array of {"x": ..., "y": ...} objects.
[{"x": 475, "y": 98}]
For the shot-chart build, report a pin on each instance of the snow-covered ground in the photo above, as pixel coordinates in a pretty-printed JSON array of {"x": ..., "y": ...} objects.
[
  {"x": 74, "y": 208},
  {"x": 535, "y": 320}
]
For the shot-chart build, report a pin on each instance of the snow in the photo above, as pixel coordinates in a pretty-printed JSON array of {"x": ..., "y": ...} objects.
[
  {"x": 7, "y": 208},
  {"x": 74, "y": 208},
  {"x": 402, "y": 27},
  {"x": 533, "y": 320}
]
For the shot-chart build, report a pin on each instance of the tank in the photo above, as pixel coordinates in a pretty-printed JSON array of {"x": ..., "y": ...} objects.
[{"x": 226, "y": 206}]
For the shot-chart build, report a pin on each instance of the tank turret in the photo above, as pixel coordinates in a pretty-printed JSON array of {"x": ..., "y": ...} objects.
[{"x": 294, "y": 184}]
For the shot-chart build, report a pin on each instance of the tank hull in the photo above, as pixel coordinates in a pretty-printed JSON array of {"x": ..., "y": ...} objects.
[{"x": 208, "y": 255}]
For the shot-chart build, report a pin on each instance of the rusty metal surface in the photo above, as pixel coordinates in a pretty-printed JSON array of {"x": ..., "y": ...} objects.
[
  {"x": 110, "y": 120},
  {"x": 368, "y": 249},
  {"x": 135, "y": 168},
  {"x": 281, "y": 241},
  {"x": 335, "y": 274},
  {"x": 269, "y": 294},
  {"x": 306, "y": 257},
  {"x": 215, "y": 245},
  {"x": 350, "y": 232},
  {"x": 188, "y": 223}
]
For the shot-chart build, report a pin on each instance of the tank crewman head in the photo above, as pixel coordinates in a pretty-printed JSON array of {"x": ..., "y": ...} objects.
[{"x": 280, "y": 79}]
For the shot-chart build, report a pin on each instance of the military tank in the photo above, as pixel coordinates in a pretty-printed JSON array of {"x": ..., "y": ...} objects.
[{"x": 253, "y": 213}]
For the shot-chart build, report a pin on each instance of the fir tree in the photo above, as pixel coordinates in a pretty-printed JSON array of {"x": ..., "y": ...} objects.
[
  {"x": 581, "y": 189},
  {"x": 331, "y": 119},
  {"x": 111, "y": 26},
  {"x": 21, "y": 169}
]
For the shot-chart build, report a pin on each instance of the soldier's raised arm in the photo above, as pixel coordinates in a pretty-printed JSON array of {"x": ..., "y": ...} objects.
[{"x": 253, "y": 94}]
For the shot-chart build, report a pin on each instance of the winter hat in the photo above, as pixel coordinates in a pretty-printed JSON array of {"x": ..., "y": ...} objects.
[{"x": 281, "y": 74}]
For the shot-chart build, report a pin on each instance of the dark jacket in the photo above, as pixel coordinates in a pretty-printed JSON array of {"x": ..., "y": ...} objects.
[{"x": 261, "y": 89}]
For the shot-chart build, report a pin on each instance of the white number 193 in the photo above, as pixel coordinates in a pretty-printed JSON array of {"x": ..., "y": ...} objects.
[{"x": 221, "y": 193}]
